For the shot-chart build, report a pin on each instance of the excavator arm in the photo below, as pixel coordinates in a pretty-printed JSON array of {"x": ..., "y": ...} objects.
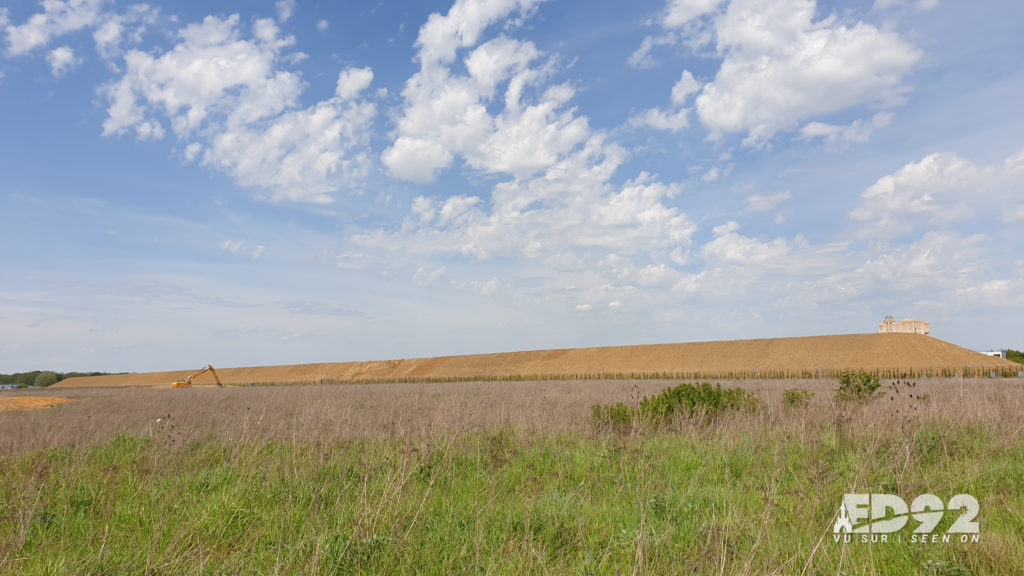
[{"x": 187, "y": 382}]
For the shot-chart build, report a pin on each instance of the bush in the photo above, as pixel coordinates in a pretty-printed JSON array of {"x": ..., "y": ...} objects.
[
  {"x": 45, "y": 379},
  {"x": 797, "y": 397},
  {"x": 857, "y": 386},
  {"x": 685, "y": 399},
  {"x": 690, "y": 399},
  {"x": 618, "y": 418}
]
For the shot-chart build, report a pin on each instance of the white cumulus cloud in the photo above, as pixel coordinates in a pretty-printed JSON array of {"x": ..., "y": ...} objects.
[
  {"x": 285, "y": 9},
  {"x": 681, "y": 12},
  {"x": 940, "y": 189},
  {"x": 782, "y": 65},
  {"x": 446, "y": 114},
  {"x": 233, "y": 96},
  {"x": 352, "y": 81},
  {"x": 61, "y": 60},
  {"x": 57, "y": 18},
  {"x": 113, "y": 29},
  {"x": 857, "y": 131}
]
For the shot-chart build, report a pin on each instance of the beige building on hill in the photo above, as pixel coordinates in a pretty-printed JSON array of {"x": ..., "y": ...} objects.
[{"x": 906, "y": 326}]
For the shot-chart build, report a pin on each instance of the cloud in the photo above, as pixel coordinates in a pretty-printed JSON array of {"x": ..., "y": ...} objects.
[
  {"x": 932, "y": 266},
  {"x": 234, "y": 97},
  {"x": 58, "y": 17},
  {"x": 732, "y": 247},
  {"x": 302, "y": 155},
  {"x": 672, "y": 120},
  {"x": 61, "y": 60},
  {"x": 641, "y": 58},
  {"x": 285, "y": 9},
  {"x": 240, "y": 247},
  {"x": 352, "y": 81},
  {"x": 112, "y": 29},
  {"x": 938, "y": 190},
  {"x": 416, "y": 159},
  {"x": 766, "y": 203},
  {"x": 426, "y": 277},
  {"x": 681, "y": 12},
  {"x": 780, "y": 67},
  {"x": 660, "y": 119},
  {"x": 446, "y": 114},
  {"x": 322, "y": 25},
  {"x": 565, "y": 232},
  {"x": 233, "y": 246},
  {"x": 858, "y": 131},
  {"x": 441, "y": 36}
]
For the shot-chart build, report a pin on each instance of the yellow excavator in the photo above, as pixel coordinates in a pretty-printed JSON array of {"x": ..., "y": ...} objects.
[{"x": 187, "y": 382}]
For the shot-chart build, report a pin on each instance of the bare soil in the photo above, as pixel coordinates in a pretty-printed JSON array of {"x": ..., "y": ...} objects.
[{"x": 825, "y": 356}]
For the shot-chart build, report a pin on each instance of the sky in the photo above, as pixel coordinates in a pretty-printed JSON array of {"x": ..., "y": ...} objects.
[{"x": 281, "y": 182}]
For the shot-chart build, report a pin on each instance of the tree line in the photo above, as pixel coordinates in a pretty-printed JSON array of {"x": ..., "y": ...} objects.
[{"x": 42, "y": 378}]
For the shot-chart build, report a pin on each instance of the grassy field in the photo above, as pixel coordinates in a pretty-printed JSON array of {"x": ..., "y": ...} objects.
[{"x": 499, "y": 478}]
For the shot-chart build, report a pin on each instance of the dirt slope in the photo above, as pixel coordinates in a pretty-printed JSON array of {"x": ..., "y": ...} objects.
[{"x": 824, "y": 355}]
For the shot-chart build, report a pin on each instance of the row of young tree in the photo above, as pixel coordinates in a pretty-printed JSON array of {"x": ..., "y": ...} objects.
[{"x": 41, "y": 378}]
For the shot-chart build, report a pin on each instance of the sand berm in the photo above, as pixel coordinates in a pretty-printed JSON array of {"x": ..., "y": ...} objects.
[{"x": 888, "y": 354}]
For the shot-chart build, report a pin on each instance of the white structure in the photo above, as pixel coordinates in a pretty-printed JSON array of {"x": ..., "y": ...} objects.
[
  {"x": 995, "y": 353},
  {"x": 906, "y": 326}
]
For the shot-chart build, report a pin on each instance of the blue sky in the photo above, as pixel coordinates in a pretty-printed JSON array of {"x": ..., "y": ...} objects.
[{"x": 286, "y": 182}]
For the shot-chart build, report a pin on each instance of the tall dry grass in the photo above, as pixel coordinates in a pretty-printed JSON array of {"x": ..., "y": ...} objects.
[
  {"x": 329, "y": 413},
  {"x": 496, "y": 478}
]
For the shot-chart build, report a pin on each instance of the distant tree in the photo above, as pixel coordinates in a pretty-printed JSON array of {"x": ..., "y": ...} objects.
[
  {"x": 1015, "y": 355},
  {"x": 24, "y": 379},
  {"x": 45, "y": 379},
  {"x": 21, "y": 378}
]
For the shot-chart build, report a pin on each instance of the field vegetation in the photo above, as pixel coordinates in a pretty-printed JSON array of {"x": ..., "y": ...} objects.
[
  {"x": 43, "y": 378},
  {"x": 510, "y": 478}
]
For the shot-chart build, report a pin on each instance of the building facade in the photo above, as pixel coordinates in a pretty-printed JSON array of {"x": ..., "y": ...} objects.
[{"x": 906, "y": 326}]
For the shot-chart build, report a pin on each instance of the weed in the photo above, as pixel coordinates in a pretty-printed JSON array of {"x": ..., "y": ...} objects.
[
  {"x": 618, "y": 417},
  {"x": 857, "y": 386},
  {"x": 683, "y": 400},
  {"x": 797, "y": 397}
]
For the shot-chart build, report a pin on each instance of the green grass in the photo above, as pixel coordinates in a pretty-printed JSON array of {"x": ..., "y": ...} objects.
[{"x": 735, "y": 496}]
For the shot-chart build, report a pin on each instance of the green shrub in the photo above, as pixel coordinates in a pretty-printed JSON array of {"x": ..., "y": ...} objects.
[
  {"x": 689, "y": 399},
  {"x": 618, "y": 417},
  {"x": 857, "y": 386},
  {"x": 45, "y": 379},
  {"x": 797, "y": 397},
  {"x": 685, "y": 399}
]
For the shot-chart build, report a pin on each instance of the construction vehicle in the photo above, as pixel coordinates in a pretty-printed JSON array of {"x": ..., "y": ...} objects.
[{"x": 187, "y": 382}]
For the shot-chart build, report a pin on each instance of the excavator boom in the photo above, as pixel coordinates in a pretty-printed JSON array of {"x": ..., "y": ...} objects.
[{"x": 187, "y": 382}]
